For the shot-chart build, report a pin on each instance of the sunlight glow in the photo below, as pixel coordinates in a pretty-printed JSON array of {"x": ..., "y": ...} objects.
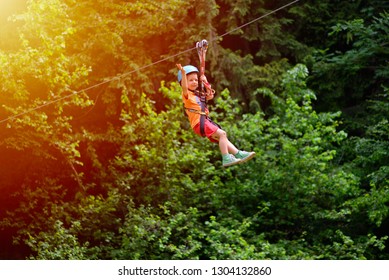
[{"x": 10, "y": 7}]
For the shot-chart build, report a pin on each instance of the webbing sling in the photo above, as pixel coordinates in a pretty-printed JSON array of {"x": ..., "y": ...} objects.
[
  {"x": 201, "y": 51},
  {"x": 202, "y": 117}
]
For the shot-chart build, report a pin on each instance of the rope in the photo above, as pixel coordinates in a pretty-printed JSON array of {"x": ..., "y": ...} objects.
[{"x": 48, "y": 103}]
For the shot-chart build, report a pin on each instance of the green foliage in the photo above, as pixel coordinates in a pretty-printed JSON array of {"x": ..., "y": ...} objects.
[
  {"x": 115, "y": 172},
  {"x": 229, "y": 241},
  {"x": 175, "y": 208},
  {"x": 368, "y": 158},
  {"x": 60, "y": 244},
  {"x": 358, "y": 71},
  {"x": 166, "y": 236}
]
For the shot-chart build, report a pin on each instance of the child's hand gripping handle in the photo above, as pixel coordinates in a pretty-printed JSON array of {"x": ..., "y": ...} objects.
[{"x": 201, "y": 51}]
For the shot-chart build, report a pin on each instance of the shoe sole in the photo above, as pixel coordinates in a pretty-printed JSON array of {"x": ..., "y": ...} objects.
[
  {"x": 238, "y": 161},
  {"x": 252, "y": 154}
]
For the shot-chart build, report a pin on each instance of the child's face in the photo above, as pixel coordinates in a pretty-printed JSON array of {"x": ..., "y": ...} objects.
[{"x": 193, "y": 81}]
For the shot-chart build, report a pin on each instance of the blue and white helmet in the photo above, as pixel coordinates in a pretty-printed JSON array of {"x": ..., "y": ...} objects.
[{"x": 188, "y": 69}]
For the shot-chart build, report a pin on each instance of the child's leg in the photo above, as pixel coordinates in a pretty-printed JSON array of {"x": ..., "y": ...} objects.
[
  {"x": 224, "y": 144},
  {"x": 226, "y": 147},
  {"x": 231, "y": 148},
  {"x": 221, "y": 136}
]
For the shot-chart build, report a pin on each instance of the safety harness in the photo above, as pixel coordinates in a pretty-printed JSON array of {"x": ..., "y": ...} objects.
[
  {"x": 202, "y": 47},
  {"x": 201, "y": 93}
]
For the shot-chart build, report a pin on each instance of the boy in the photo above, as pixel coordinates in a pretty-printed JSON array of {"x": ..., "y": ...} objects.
[{"x": 195, "y": 108}]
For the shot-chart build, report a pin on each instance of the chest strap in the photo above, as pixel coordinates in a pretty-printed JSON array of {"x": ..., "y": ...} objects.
[{"x": 196, "y": 111}]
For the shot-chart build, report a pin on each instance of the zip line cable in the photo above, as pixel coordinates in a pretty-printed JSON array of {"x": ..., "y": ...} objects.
[
  {"x": 48, "y": 103},
  {"x": 256, "y": 19}
]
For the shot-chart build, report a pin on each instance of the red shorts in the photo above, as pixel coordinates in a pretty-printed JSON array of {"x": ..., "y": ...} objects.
[{"x": 209, "y": 128}]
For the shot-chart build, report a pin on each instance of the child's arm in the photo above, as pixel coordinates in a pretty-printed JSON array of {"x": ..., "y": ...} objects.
[
  {"x": 184, "y": 82},
  {"x": 210, "y": 92}
]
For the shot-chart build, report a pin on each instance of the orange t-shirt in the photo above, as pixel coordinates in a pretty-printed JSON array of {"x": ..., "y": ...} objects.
[{"x": 193, "y": 102}]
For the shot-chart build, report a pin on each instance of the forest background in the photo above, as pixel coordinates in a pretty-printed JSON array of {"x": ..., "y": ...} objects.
[{"x": 98, "y": 160}]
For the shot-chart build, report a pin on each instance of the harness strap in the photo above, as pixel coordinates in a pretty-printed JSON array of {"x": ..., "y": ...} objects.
[
  {"x": 202, "y": 116},
  {"x": 201, "y": 51},
  {"x": 196, "y": 111},
  {"x": 202, "y": 113}
]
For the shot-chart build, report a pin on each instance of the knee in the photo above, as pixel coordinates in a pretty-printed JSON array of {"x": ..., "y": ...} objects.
[{"x": 222, "y": 133}]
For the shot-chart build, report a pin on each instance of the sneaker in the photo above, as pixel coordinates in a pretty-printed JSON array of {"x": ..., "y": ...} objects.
[
  {"x": 229, "y": 160},
  {"x": 244, "y": 156}
]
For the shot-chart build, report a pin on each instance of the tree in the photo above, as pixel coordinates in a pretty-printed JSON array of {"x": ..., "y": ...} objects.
[
  {"x": 56, "y": 135},
  {"x": 357, "y": 73},
  {"x": 111, "y": 169}
]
